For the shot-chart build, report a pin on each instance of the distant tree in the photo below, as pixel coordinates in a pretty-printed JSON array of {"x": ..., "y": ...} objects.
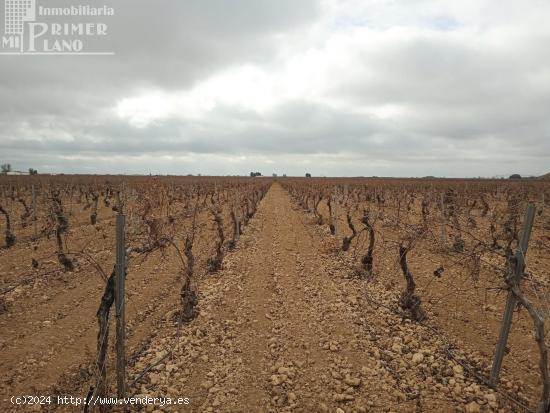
[
  {"x": 253, "y": 174},
  {"x": 515, "y": 176},
  {"x": 6, "y": 168},
  {"x": 308, "y": 175},
  {"x": 274, "y": 175},
  {"x": 33, "y": 171}
]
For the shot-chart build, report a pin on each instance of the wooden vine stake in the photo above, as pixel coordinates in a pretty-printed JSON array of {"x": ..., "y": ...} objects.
[
  {"x": 34, "y": 213},
  {"x": 119, "y": 304},
  {"x": 237, "y": 218},
  {"x": 336, "y": 211},
  {"x": 515, "y": 273},
  {"x": 443, "y": 223}
]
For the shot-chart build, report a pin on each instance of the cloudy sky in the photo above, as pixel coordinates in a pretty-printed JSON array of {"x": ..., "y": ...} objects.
[{"x": 330, "y": 87}]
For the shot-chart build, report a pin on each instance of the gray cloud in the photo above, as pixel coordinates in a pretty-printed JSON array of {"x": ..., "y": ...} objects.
[{"x": 466, "y": 95}]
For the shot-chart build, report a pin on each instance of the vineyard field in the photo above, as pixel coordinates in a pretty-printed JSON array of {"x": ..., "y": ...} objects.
[{"x": 253, "y": 294}]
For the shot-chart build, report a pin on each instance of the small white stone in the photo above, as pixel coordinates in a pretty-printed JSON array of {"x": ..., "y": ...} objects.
[{"x": 417, "y": 358}]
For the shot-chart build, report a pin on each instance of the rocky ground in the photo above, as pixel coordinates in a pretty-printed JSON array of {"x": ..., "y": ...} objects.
[{"x": 285, "y": 327}]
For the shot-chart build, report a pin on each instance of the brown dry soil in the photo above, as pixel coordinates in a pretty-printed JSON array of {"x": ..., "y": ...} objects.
[
  {"x": 466, "y": 307},
  {"x": 283, "y": 327},
  {"x": 49, "y": 331}
]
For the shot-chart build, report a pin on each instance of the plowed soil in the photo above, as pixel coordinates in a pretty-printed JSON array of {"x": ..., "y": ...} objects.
[{"x": 283, "y": 327}]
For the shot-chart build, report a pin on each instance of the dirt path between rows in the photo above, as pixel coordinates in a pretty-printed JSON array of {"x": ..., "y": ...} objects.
[{"x": 283, "y": 327}]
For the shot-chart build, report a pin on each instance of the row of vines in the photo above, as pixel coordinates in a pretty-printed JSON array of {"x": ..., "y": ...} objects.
[
  {"x": 67, "y": 225},
  {"x": 445, "y": 250}
]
